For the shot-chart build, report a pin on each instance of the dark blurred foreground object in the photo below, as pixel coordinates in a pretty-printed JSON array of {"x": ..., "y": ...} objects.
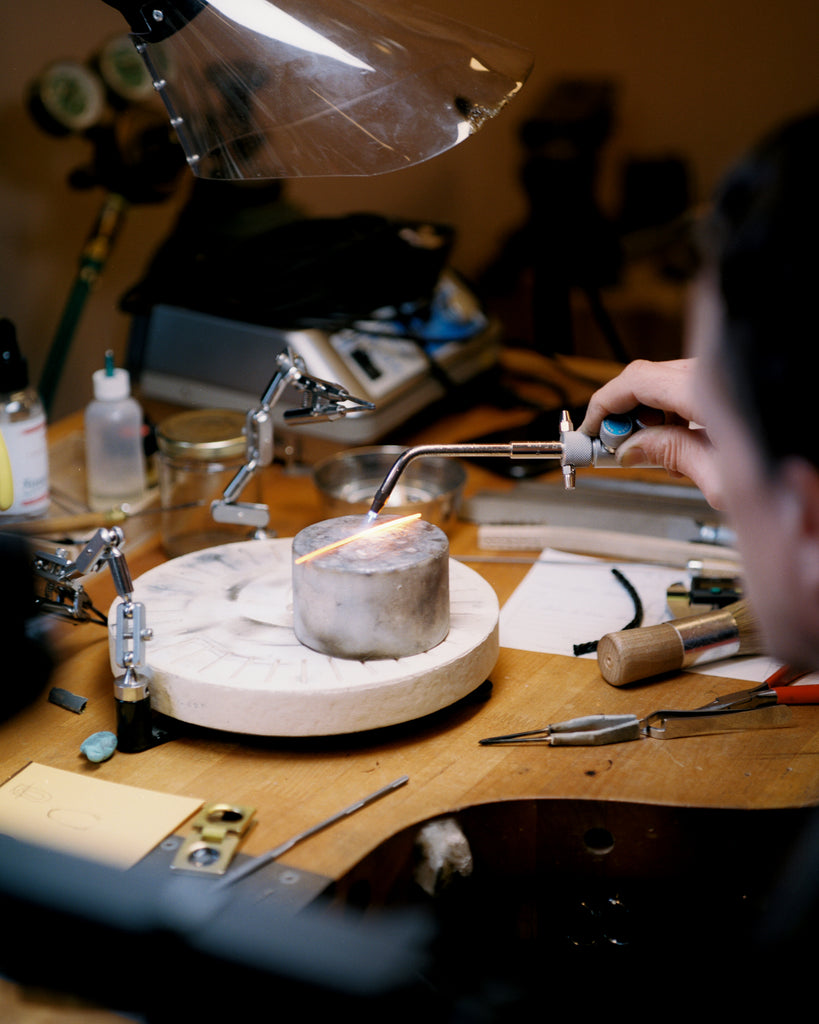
[
  {"x": 22, "y": 629},
  {"x": 169, "y": 948}
]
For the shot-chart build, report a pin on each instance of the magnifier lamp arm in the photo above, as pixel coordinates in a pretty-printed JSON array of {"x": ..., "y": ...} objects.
[{"x": 147, "y": 21}]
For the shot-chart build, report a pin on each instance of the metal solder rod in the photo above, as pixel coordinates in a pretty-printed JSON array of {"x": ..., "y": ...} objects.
[{"x": 515, "y": 450}]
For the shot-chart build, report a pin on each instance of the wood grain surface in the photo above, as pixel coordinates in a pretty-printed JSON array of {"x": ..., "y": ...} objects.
[
  {"x": 297, "y": 782},
  {"x": 664, "y": 805}
]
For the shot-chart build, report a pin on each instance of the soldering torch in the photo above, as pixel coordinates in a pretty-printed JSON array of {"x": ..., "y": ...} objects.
[{"x": 575, "y": 450}]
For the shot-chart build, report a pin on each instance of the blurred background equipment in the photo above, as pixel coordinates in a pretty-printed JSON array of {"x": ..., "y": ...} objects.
[
  {"x": 135, "y": 158},
  {"x": 365, "y": 300}
]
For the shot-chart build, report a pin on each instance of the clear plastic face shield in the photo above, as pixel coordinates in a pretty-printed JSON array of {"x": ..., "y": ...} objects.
[{"x": 257, "y": 89}]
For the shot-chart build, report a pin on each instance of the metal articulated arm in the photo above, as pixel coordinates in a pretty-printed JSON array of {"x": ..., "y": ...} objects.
[
  {"x": 323, "y": 400},
  {"x": 64, "y": 595}
]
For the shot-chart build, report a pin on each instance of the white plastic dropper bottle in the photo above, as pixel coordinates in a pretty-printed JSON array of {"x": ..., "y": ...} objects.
[{"x": 114, "y": 453}]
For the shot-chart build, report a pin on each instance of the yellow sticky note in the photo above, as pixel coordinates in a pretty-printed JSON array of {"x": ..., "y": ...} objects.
[{"x": 88, "y": 817}]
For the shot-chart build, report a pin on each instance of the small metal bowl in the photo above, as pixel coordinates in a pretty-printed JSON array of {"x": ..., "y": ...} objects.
[{"x": 432, "y": 485}]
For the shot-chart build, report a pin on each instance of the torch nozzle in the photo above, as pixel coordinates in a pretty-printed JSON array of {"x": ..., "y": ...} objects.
[
  {"x": 575, "y": 449},
  {"x": 515, "y": 450}
]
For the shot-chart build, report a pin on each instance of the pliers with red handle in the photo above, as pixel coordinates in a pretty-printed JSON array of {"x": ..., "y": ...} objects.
[{"x": 761, "y": 697}]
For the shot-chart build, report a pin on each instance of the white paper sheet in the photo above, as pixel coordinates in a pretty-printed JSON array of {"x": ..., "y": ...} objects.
[{"x": 568, "y": 599}]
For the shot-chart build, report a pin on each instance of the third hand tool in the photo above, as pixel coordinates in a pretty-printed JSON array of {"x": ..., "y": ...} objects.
[{"x": 762, "y": 706}]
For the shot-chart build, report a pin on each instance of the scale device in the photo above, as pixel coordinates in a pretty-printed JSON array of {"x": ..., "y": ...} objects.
[{"x": 197, "y": 359}]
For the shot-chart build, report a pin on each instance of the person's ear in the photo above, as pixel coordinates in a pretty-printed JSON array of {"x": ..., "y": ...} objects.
[{"x": 799, "y": 500}]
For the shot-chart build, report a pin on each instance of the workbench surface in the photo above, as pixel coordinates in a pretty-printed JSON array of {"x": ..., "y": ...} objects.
[{"x": 295, "y": 783}]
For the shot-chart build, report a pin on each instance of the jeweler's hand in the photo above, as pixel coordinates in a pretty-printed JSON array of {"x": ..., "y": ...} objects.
[{"x": 681, "y": 446}]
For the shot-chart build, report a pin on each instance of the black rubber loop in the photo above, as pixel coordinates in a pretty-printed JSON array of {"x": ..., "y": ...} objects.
[{"x": 637, "y": 620}]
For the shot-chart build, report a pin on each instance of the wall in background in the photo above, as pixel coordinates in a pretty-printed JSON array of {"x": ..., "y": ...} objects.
[{"x": 697, "y": 78}]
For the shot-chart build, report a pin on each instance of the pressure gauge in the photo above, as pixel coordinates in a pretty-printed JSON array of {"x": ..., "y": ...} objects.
[
  {"x": 124, "y": 71},
  {"x": 67, "y": 97}
]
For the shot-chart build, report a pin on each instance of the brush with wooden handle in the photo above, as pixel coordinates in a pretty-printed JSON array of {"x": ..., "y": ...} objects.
[
  {"x": 648, "y": 651},
  {"x": 75, "y": 522},
  {"x": 71, "y": 522}
]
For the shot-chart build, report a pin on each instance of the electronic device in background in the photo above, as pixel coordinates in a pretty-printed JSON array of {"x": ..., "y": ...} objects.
[{"x": 197, "y": 359}]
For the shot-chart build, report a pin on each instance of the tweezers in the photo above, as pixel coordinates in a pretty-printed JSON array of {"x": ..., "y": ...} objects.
[{"x": 758, "y": 707}]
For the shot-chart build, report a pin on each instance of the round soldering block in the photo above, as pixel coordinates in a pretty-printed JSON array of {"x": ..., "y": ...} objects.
[
  {"x": 224, "y": 655},
  {"x": 384, "y": 594}
]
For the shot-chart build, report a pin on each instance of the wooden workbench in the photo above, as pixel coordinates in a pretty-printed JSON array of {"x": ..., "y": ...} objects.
[
  {"x": 638, "y": 810},
  {"x": 447, "y": 767}
]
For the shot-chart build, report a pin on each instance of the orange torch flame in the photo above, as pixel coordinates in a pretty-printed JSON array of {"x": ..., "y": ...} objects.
[{"x": 391, "y": 524}]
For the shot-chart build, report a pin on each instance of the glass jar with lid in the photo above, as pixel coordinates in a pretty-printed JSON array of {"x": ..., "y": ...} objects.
[{"x": 200, "y": 452}]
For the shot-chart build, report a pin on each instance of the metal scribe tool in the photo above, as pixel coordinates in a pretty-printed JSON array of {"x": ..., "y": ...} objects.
[{"x": 263, "y": 859}]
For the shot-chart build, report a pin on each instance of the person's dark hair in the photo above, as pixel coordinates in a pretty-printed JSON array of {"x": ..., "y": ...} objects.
[{"x": 764, "y": 243}]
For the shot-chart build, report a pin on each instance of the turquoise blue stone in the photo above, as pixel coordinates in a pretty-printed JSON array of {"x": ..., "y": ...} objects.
[{"x": 99, "y": 746}]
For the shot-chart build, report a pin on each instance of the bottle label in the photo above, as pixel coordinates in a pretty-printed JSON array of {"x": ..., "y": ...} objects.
[{"x": 24, "y": 467}]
